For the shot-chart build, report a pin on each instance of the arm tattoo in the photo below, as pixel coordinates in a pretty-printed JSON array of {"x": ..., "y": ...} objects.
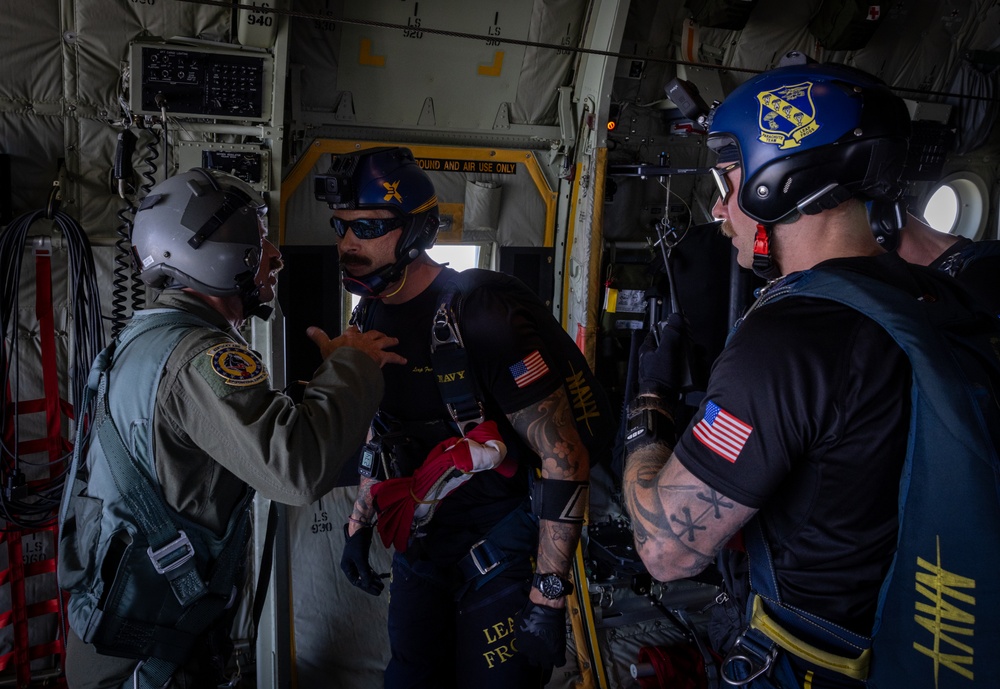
[
  {"x": 364, "y": 505},
  {"x": 549, "y": 430},
  {"x": 683, "y": 520}
]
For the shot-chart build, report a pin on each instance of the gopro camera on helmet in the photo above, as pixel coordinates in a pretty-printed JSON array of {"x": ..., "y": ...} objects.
[
  {"x": 688, "y": 100},
  {"x": 336, "y": 187}
]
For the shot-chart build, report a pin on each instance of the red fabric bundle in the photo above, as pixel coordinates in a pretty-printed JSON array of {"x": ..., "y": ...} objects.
[{"x": 404, "y": 503}]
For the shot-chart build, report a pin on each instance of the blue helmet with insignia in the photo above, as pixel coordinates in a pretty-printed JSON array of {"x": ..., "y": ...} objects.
[
  {"x": 202, "y": 229},
  {"x": 384, "y": 178},
  {"x": 811, "y": 136}
]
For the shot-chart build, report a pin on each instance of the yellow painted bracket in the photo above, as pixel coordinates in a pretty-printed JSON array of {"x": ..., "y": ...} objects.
[
  {"x": 494, "y": 69},
  {"x": 303, "y": 168},
  {"x": 365, "y": 56}
]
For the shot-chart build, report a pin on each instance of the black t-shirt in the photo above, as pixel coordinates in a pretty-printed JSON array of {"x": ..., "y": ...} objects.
[
  {"x": 807, "y": 420},
  {"x": 499, "y": 336}
]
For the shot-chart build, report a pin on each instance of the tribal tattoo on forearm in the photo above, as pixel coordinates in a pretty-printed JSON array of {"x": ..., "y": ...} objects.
[{"x": 689, "y": 520}]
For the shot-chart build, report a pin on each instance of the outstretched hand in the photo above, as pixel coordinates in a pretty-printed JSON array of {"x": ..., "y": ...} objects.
[{"x": 372, "y": 342}]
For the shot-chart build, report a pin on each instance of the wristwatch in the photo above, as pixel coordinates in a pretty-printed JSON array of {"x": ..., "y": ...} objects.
[{"x": 552, "y": 585}]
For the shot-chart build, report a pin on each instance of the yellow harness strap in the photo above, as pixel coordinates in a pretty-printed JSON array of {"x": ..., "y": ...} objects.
[{"x": 855, "y": 668}]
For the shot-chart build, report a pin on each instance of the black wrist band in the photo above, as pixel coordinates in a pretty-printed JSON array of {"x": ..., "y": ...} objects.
[{"x": 648, "y": 425}]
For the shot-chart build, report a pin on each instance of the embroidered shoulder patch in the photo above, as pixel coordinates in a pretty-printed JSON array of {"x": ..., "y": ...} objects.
[{"x": 237, "y": 365}]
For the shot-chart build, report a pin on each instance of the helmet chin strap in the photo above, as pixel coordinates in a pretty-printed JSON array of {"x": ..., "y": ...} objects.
[
  {"x": 374, "y": 283},
  {"x": 252, "y": 306},
  {"x": 250, "y": 299},
  {"x": 763, "y": 263}
]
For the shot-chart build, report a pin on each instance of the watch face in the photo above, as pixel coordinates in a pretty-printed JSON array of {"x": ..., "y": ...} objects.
[{"x": 551, "y": 586}]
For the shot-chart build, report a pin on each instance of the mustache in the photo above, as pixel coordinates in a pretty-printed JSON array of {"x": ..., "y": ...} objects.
[
  {"x": 275, "y": 264},
  {"x": 726, "y": 228},
  {"x": 355, "y": 260}
]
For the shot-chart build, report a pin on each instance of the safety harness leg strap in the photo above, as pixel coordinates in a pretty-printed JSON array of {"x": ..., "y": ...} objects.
[
  {"x": 757, "y": 651},
  {"x": 514, "y": 534},
  {"x": 855, "y": 668},
  {"x": 150, "y": 674}
]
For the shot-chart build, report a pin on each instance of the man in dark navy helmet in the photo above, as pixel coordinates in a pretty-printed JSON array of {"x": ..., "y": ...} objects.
[
  {"x": 840, "y": 375},
  {"x": 480, "y": 573}
]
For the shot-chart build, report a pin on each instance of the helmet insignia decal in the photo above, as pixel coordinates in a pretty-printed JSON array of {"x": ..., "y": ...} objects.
[
  {"x": 787, "y": 115},
  {"x": 391, "y": 193},
  {"x": 237, "y": 365}
]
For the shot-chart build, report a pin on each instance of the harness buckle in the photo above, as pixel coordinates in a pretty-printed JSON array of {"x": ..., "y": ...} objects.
[
  {"x": 752, "y": 658},
  {"x": 483, "y": 569},
  {"x": 161, "y": 554},
  {"x": 448, "y": 332},
  {"x": 466, "y": 421}
]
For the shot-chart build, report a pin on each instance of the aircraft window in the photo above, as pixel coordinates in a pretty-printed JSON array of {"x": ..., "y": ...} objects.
[
  {"x": 942, "y": 209},
  {"x": 958, "y": 205},
  {"x": 457, "y": 256}
]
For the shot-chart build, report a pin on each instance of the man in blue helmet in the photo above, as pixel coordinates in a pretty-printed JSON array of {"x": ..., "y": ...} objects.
[
  {"x": 798, "y": 449},
  {"x": 156, "y": 519},
  {"x": 480, "y": 573}
]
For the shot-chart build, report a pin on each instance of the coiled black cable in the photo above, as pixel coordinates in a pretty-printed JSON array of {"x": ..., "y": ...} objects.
[
  {"x": 20, "y": 507},
  {"x": 148, "y": 175},
  {"x": 123, "y": 268},
  {"x": 123, "y": 174}
]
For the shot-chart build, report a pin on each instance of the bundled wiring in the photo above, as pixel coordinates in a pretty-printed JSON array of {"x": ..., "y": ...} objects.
[{"x": 34, "y": 504}]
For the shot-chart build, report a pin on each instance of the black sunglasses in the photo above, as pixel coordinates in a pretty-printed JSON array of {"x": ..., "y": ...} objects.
[
  {"x": 719, "y": 175},
  {"x": 366, "y": 228}
]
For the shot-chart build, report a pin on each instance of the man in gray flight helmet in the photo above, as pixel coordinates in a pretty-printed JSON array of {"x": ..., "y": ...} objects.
[{"x": 156, "y": 518}]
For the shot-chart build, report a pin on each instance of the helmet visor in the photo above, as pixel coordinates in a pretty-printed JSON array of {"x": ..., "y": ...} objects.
[{"x": 366, "y": 228}]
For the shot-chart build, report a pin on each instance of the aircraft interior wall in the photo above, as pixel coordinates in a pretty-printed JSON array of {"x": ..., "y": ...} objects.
[{"x": 507, "y": 106}]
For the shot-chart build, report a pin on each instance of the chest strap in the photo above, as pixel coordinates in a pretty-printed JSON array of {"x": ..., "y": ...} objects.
[{"x": 450, "y": 362}]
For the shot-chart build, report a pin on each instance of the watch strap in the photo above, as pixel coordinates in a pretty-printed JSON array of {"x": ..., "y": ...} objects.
[
  {"x": 648, "y": 424},
  {"x": 539, "y": 583}
]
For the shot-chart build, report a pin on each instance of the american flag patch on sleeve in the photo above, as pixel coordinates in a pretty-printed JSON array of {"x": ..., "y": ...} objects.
[
  {"x": 721, "y": 432},
  {"x": 529, "y": 369}
]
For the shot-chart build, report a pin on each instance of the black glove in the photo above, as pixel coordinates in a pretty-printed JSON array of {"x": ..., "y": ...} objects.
[
  {"x": 661, "y": 360},
  {"x": 541, "y": 635},
  {"x": 354, "y": 561}
]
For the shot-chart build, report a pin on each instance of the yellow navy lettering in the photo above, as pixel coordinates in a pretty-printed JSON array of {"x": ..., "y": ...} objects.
[{"x": 946, "y": 616}]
